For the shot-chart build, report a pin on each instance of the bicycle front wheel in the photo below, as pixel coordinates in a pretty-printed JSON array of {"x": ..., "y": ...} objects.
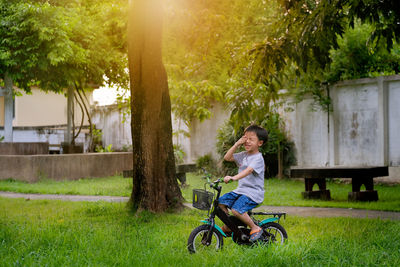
[{"x": 198, "y": 239}]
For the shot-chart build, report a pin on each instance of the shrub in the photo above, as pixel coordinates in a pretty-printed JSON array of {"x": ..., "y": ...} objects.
[
  {"x": 179, "y": 154},
  {"x": 277, "y": 141},
  {"x": 208, "y": 163},
  {"x": 358, "y": 57}
]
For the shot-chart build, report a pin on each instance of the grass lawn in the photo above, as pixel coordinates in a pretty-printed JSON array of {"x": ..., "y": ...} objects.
[
  {"x": 277, "y": 192},
  {"x": 107, "y": 186},
  {"x": 58, "y": 233}
]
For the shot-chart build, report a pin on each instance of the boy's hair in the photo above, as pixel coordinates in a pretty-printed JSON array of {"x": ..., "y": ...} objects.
[{"x": 261, "y": 133}]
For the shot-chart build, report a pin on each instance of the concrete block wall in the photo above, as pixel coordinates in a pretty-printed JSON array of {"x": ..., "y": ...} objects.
[
  {"x": 24, "y": 148},
  {"x": 362, "y": 130},
  {"x": 115, "y": 130},
  {"x": 31, "y": 168}
]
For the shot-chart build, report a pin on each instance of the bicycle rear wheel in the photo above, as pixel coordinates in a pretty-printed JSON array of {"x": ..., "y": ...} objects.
[
  {"x": 197, "y": 239},
  {"x": 273, "y": 233}
]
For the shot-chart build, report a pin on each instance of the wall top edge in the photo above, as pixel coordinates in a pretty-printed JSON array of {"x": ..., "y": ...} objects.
[
  {"x": 368, "y": 80},
  {"x": 44, "y": 127},
  {"x": 104, "y": 154}
]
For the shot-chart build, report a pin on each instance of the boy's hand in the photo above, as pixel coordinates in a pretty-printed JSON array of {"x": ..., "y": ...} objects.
[
  {"x": 228, "y": 179},
  {"x": 241, "y": 141}
]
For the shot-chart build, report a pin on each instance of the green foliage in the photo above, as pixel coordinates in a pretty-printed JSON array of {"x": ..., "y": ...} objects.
[
  {"x": 297, "y": 55},
  {"x": 226, "y": 137},
  {"x": 205, "y": 43},
  {"x": 1, "y": 138},
  {"x": 356, "y": 57},
  {"x": 126, "y": 148},
  {"x": 249, "y": 100},
  {"x": 383, "y": 15},
  {"x": 208, "y": 163},
  {"x": 58, "y": 44},
  {"x": 35, "y": 38},
  {"x": 101, "y": 149},
  {"x": 124, "y": 103},
  {"x": 179, "y": 154},
  {"x": 193, "y": 100}
]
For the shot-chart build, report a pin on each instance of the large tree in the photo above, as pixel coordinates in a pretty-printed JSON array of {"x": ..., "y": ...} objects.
[
  {"x": 33, "y": 39},
  {"x": 155, "y": 187},
  {"x": 59, "y": 44}
]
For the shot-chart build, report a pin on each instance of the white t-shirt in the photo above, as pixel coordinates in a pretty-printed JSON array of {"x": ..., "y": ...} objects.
[{"x": 252, "y": 185}]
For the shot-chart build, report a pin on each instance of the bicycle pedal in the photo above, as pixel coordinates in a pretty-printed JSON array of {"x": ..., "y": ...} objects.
[{"x": 245, "y": 237}]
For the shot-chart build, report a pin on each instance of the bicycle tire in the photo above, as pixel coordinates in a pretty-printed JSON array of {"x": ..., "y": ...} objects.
[
  {"x": 197, "y": 236},
  {"x": 274, "y": 233}
]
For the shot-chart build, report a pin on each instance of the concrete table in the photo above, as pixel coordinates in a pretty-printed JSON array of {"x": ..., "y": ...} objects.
[{"x": 360, "y": 176}]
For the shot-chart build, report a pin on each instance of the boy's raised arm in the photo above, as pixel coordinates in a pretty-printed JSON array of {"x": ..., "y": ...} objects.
[{"x": 229, "y": 155}]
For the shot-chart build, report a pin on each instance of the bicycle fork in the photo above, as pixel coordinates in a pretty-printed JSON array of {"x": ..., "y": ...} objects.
[{"x": 206, "y": 240}]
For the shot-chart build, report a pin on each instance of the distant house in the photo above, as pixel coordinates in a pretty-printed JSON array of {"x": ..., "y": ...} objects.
[{"x": 42, "y": 117}]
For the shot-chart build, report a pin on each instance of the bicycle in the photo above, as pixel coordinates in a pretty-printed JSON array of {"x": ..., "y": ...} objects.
[{"x": 210, "y": 236}]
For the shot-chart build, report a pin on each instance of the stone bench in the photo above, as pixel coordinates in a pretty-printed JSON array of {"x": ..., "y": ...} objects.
[
  {"x": 360, "y": 176},
  {"x": 181, "y": 170}
]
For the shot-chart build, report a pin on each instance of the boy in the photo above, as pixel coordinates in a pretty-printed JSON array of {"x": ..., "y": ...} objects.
[{"x": 250, "y": 191}]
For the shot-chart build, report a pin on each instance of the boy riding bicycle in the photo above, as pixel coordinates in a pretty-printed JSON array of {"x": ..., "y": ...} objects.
[{"x": 250, "y": 190}]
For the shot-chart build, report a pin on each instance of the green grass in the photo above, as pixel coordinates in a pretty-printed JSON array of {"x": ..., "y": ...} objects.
[
  {"x": 287, "y": 192},
  {"x": 57, "y": 233},
  {"x": 108, "y": 186},
  {"x": 277, "y": 192}
]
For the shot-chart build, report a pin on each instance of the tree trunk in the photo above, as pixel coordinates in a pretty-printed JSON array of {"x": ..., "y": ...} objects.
[
  {"x": 155, "y": 187},
  {"x": 70, "y": 118},
  {"x": 8, "y": 108},
  {"x": 280, "y": 162}
]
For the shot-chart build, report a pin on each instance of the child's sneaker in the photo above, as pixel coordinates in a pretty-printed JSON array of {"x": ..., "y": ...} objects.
[{"x": 254, "y": 236}]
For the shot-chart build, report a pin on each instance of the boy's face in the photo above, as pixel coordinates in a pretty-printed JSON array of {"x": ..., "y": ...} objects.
[{"x": 252, "y": 142}]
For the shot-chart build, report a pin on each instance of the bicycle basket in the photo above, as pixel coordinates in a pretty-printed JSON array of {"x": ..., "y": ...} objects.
[{"x": 202, "y": 199}]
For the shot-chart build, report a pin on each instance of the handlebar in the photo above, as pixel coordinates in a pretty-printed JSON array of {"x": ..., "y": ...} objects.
[{"x": 213, "y": 184}]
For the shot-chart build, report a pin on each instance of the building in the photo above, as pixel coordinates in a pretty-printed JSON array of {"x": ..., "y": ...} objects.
[{"x": 42, "y": 117}]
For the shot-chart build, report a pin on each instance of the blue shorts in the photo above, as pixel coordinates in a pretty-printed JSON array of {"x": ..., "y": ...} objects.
[{"x": 240, "y": 203}]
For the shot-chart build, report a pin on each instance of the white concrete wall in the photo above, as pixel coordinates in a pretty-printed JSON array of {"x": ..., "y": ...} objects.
[
  {"x": 356, "y": 125},
  {"x": 309, "y": 132},
  {"x": 203, "y": 135},
  {"x": 115, "y": 130},
  {"x": 2, "y": 110},
  {"x": 181, "y": 133},
  {"x": 202, "y": 138},
  {"x": 364, "y": 127},
  {"x": 394, "y": 123}
]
